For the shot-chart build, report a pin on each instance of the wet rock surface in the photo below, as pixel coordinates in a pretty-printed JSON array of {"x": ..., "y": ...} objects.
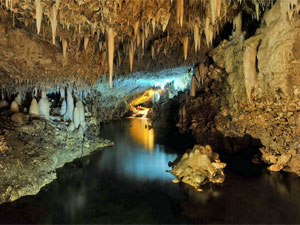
[{"x": 31, "y": 152}]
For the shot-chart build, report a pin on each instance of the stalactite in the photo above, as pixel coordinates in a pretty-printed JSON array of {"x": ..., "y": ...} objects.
[
  {"x": 179, "y": 11},
  {"x": 213, "y": 7},
  {"x": 219, "y": 5},
  {"x": 143, "y": 42},
  {"x": 209, "y": 32},
  {"x": 185, "y": 46},
  {"x": 193, "y": 87},
  {"x": 152, "y": 51},
  {"x": 249, "y": 66},
  {"x": 197, "y": 39},
  {"x": 237, "y": 22},
  {"x": 138, "y": 38},
  {"x": 153, "y": 25},
  {"x": 131, "y": 54},
  {"x": 3, "y": 102},
  {"x": 146, "y": 30},
  {"x": 64, "y": 47},
  {"x": 53, "y": 19},
  {"x": 119, "y": 58},
  {"x": 256, "y": 9},
  {"x": 110, "y": 46},
  {"x": 86, "y": 42},
  {"x": 39, "y": 14},
  {"x": 136, "y": 28}
]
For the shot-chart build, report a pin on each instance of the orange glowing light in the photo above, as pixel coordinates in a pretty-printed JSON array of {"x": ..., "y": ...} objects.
[{"x": 141, "y": 133}]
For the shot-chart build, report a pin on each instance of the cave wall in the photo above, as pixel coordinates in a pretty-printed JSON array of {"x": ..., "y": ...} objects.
[{"x": 262, "y": 87}]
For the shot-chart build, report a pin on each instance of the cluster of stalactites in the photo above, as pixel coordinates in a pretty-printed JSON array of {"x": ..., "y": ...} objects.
[
  {"x": 215, "y": 6},
  {"x": 213, "y": 19}
]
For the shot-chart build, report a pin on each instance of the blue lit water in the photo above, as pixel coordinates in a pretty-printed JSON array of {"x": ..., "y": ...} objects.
[{"x": 127, "y": 183}]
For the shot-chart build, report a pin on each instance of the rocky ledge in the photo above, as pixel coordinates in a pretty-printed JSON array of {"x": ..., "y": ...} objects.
[{"x": 32, "y": 149}]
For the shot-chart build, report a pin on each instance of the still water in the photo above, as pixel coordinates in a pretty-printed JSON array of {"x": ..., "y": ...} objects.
[{"x": 127, "y": 183}]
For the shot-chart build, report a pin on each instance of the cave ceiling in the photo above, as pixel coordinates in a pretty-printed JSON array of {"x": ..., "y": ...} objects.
[{"x": 60, "y": 41}]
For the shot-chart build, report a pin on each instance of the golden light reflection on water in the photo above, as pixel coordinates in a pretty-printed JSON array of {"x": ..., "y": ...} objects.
[{"x": 140, "y": 133}]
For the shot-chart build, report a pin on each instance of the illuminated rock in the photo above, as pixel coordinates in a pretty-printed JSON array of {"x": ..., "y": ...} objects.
[{"x": 199, "y": 166}]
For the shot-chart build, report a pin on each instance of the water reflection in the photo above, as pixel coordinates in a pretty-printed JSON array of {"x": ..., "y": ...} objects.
[
  {"x": 127, "y": 183},
  {"x": 140, "y": 158},
  {"x": 141, "y": 133}
]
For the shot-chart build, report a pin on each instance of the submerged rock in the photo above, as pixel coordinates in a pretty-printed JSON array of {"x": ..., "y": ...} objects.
[{"x": 199, "y": 166}]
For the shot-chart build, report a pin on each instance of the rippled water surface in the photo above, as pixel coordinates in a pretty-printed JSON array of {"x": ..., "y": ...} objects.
[{"x": 127, "y": 183}]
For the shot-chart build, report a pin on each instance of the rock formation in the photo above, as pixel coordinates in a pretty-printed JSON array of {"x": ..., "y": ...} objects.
[{"x": 199, "y": 166}]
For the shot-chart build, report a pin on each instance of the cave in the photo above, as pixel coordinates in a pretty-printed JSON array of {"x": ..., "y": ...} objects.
[{"x": 149, "y": 111}]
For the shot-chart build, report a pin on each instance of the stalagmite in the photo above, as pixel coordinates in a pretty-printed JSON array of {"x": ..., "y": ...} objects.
[
  {"x": 71, "y": 127},
  {"x": 34, "y": 110},
  {"x": 64, "y": 46},
  {"x": 197, "y": 39},
  {"x": 110, "y": 45},
  {"x": 249, "y": 65},
  {"x": 131, "y": 54},
  {"x": 85, "y": 42},
  {"x": 185, "y": 46},
  {"x": 44, "y": 106},
  {"x": 63, "y": 108},
  {"x": 14, "y": 107},
  {"x": 18, "y": 100},
  {"x": 70, "y": 106},
  {"x": 76, "y": 117},
  {"x": 39, "y": 15},
  {"x": 179, "y": 11},
  {"x": 80, "y": 107}
]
